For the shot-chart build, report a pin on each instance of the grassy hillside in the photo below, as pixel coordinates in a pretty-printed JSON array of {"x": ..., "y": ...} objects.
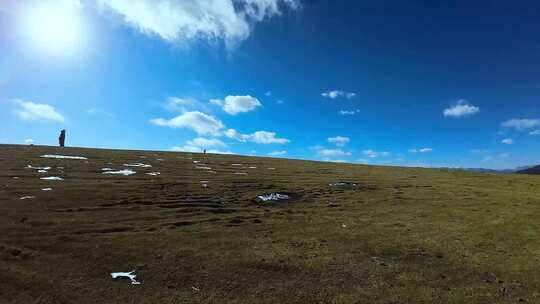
[{"x": 402, "y": 235}]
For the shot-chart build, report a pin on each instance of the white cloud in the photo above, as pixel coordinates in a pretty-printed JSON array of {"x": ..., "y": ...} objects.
[
  {"x": 339, "y": 141},
  {"x": 349, "y": 112},
  {"x": 507, "y": 141},
  {"x": 31, "y": 111},
  {"x": 192, "y": 149},
  {"x": 422, "y": 150},
  {"x": 333, "y": 152},
  {"x": 259, "y": 137},
  {"x": 230, "y": 21},
  {"x": 177, "y": 104},
  {"x": 460, "y": 109},
  {"x": 199, "y": 122},
  {"x": 268, "y": 93},
  {"x": 29, "y": 141},
  {"x": 338, "y": 93},
  {"x": 237, "y": 104},
  {"x": 535, "y": 132},
  {"x": 375, "y": 154},
  {"x": 521, "y": 124},
  {"x": 277, "y": 153},
  {"x": 201, "y": 142}
]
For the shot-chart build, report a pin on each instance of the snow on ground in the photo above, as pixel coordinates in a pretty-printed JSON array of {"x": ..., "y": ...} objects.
[
  {"x": 42, "y": 171},
  {"x": 236, "y": 164},
  {"x": 27, "y": 197},
  {"x": 153, "y": 173},
  {"x": 138, "y": 165},
  {"x": 124, "y": 172},
  {"x": 37, "y": 168},
  {"x": 203, "y": 168},
  {"x": 106, "y": 169},
  {"x": 240, "y": 173},
  {"x": 252, "y": 167},
  {"x": 273, "y": 197},
  {"x": 53, "y": 178},
  {"x": 46, "y": 189},
  {"x": 128, "y": 275},
  {"x": 63, "y": 156}
]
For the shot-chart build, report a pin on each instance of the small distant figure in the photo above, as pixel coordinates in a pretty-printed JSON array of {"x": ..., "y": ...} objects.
[
  {"x": 204, "y": 151},
  {"x": 62, "y": 138}
]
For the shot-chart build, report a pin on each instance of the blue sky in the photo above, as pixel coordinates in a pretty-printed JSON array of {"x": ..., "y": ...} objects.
[{"x": 410, "y": 83}]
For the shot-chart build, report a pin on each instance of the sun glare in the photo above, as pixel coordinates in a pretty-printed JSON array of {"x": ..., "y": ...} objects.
[{"x": 54, "y": 26}]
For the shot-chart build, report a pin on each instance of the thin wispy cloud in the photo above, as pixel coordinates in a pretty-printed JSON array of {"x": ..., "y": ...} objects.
[
  {"x": 337, "y": 94},
  {"x": 461, "y": 109},
  {"x": 202, "y": 142},
  {"x": 535, "y": 132},
  {"x": 507, "y": 141},
  {"x": 333, "y": 152},
  {"x": 348, "y": 112},
  {"x": 339, "y": 141},
  {"x": 233, "y": 105},
  {"x": 422, "y": 150},
  {"x": 230, "y": 21},
  {"x": 277, "y": 153},
  {"x": 30, "y": 111},
  {"x": 521, "y": 124},
  {"x": 375, "y": 154}
]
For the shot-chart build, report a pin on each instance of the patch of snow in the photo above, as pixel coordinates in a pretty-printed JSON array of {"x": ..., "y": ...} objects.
[
  {"x": 55, "y": 178},
  {"x": 153, "y": 173},
  {"x": 203, "y": 168},
  {"x": 271, "y": 168},
  {"x": 106, "y": 169},
  {"x": 62, "y": 156},
  {"x": 27, "y": 197},
  {"x": 128, "y": 275},
  {"x": 142, "y": 156},
  {"x": 46, "y": 189},
  {"x": 252, "y": 167},
  {"x": 138, "y": 165},
  {"x": 204, "y": 182},
  {"x": 37, "y": 168},
  {"x": 159, "y": 159},
  {"x": 236, "y": 164},
  {"x": 42, "y": 171},
  {"x": 240, "y": 173},
  {"x": 124, "y": 172},
  {"x": 274, "y": 197},
  {"x": 15, "y": 177},
  {"x": 196, "y": 161}
]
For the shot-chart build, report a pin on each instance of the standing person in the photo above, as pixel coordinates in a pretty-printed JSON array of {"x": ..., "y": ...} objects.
[{"x": 62, "y": 138}]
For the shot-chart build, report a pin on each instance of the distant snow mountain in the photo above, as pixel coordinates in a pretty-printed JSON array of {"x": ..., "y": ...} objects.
[
  {"x": 530, "y": 170},
  {"x": 520, "y": 170}
]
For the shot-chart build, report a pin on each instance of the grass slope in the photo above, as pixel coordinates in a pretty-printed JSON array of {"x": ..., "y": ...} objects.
[{"x": 403, "y": 235}]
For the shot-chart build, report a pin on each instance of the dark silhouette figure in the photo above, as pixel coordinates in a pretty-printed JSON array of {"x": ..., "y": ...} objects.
[
  {"x": 204, "y": 151},
  {"x": 62, "y": 138}
]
